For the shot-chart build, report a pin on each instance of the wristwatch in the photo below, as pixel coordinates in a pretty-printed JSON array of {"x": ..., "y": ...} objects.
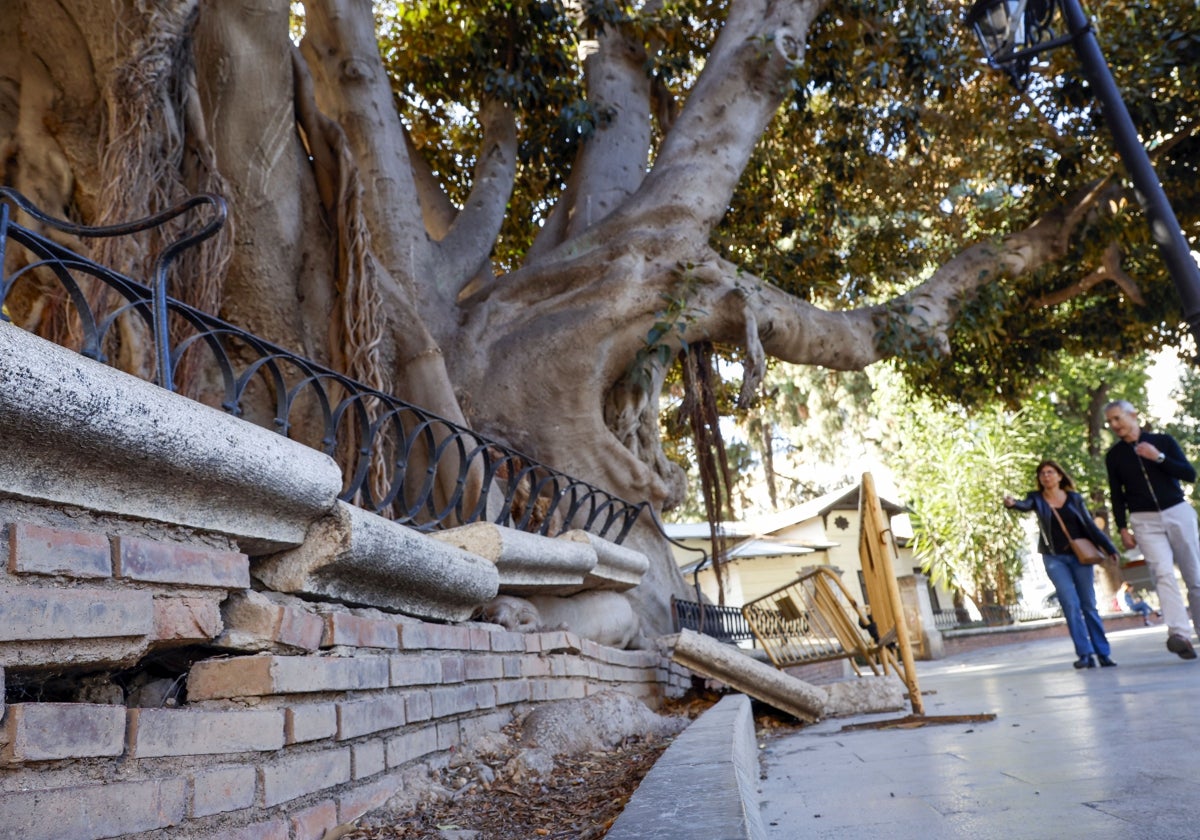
[{"x": 1162, "y": 456}]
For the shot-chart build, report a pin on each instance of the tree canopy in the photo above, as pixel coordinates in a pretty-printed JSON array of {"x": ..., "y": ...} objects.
[{"x": 894, "y": 149}]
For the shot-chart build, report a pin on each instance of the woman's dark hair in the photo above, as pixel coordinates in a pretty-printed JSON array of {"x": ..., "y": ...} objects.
[{"x": 1065, "y": 484}]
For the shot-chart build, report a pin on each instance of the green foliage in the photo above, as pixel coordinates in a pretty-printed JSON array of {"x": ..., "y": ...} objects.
[
  {"x": 1185, "y": 427},
  {"x": 956, "y": 468},
  {"x": 955, "y": 465},
  {"x": 665, "y": 339},
  {"x": 809, "y": 432},
  {"x": 899, "y": 148},
  {"x": 1068, "y": 409}
]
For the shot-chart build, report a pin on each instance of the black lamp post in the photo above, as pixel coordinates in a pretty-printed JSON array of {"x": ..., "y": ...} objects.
[{"x": 1012, "y": 33}]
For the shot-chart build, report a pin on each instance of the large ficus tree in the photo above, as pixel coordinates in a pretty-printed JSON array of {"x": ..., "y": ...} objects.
[{"x": 517, "y": 214}]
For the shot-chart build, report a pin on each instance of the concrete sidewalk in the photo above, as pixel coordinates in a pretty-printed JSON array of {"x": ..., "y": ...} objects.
[{"x": 1103, "y": 753}]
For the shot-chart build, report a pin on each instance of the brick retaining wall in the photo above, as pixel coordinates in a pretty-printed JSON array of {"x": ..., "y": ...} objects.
[{"x": 286, "y": 717}]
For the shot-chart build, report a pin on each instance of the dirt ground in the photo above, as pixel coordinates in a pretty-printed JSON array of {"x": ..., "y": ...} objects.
[
  {"x": 580, "y": 801},
  {"x": 500, "y": 797}
]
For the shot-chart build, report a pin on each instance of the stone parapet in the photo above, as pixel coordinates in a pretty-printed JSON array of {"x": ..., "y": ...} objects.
[
  {"x": 360, "y": 558},
  {"x": 80, "y": 433},
  {"x": 617, "y": 567},
  {"x": 526, "y": 563}
]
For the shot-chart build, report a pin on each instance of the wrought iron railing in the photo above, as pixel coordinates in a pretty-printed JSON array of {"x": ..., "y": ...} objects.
[
  {"x": 994, "y": 616},
  {"x": 726, "y": 624},
  {"x": 435, "y": 473}
]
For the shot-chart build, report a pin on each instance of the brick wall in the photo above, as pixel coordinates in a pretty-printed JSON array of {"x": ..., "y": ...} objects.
[{"x": 297, "y": 716}]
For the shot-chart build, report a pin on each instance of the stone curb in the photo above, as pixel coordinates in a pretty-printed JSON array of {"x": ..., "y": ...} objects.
[{"x": 704, "y": 784}]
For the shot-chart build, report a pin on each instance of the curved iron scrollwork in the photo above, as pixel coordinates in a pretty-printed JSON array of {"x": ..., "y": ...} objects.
[{"x": 398, "y": 459}]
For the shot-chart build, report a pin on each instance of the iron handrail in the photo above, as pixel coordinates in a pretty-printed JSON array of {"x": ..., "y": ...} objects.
[
  {"x": 726, "y": 624},
  {"x": 372, "y": 430}
]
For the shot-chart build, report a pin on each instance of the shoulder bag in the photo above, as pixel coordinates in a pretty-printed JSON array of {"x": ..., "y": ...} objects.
[{"x": 1086, "y": 551}]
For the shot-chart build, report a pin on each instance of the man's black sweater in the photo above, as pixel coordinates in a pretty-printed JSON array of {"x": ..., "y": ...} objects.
[{"x": 1128, "y": 483}]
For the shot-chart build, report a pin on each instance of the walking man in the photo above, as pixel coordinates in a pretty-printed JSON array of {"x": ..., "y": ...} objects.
[{"x": 1144, "y": 471}]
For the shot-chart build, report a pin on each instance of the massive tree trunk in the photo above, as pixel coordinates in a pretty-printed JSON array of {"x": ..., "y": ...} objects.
[{"x": 344, "y": 248}]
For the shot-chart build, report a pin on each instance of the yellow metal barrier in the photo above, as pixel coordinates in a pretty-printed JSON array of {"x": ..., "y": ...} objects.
[
  {"x": 816, "y": 619},
  {"x": 877, "y": 551}
]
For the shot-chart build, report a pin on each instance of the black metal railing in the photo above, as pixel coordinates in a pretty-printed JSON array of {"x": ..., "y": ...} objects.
[
  {"x": 994, "y": 616},
  {"x": 398, "y": 460},
  {"x": 726, "y": 624}
]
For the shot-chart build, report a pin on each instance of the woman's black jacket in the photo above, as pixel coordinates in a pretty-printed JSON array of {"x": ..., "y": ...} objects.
[{"x": 1074, "y": 506}]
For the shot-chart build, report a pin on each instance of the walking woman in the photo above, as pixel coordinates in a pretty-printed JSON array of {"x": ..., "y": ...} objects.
[{"x": 1058, "y": 505}]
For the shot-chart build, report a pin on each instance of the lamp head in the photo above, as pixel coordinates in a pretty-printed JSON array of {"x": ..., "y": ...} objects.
[
  {"x": 1012, "y": 32},
  {"x": 1000, "y": 27}
]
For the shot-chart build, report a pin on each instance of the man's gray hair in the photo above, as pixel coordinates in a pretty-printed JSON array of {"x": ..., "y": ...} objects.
[{"x": 1124, "y": 405}]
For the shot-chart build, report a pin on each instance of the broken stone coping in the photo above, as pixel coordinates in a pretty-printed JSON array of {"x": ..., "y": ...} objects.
[
  {"x": 358, "y": 557},
  {"x": 526, "y": 563},
  {"x": 78, "y": 432},
  {"x": 530, "y": 564},
  {"x": 705, "y": 655},
  {"x": 734, "y": 667},
  {"x": 617, "y": 567},
  {"x": 703, "y": 785}
]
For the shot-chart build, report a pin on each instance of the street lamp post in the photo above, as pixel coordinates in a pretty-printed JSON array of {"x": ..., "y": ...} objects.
[{"x": 1012, "y": 33}]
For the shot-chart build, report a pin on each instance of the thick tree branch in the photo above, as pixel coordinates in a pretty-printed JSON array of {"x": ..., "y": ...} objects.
[
  {"x": 1110, "y": 269},
  {"x": 340, "y": 48},
  {"x": 467, "y": 245},
  {"x": 437, "y": 210},
  {"x": 736, "y": 96},
  {"x": 247, "y": 92},
  {"x": 612, "y": 162},
  {"x": 795, "y": 331}
]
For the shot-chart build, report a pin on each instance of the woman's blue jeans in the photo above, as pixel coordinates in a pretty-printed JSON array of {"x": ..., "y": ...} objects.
[{"x": 1073, "y": 583}]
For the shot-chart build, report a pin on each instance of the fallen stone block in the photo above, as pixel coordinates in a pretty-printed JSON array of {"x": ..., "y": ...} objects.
[
  {"x": 526, "y": 563},
  {"x": 864, "y": 696},
  {"x": 705, "y": 655},
  {"x": 361, "y": 558},
  {"x": 617, "y": 567}
]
